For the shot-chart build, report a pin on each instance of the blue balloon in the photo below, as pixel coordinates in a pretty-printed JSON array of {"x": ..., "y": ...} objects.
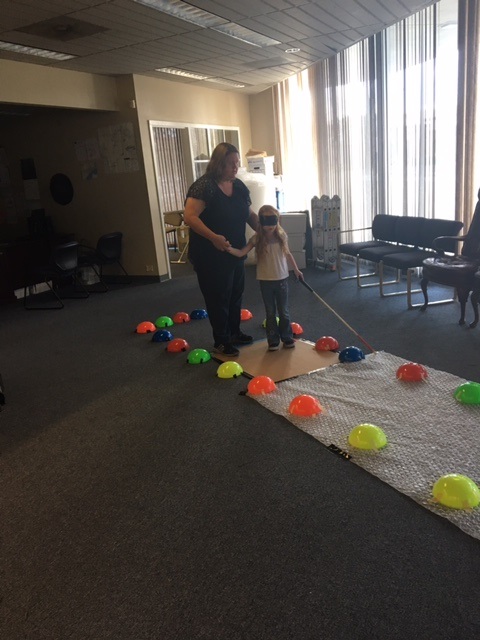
[
  {"x": 351, "y": 354},
  {"x": 198, "y": 314},
  {"x": 162, "y": 336}
]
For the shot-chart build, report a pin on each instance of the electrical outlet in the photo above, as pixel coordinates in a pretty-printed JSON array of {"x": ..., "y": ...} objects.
[{"x": 149, "y": 267}]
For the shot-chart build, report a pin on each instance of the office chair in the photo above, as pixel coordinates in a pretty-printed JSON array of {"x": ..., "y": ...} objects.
[
  {"x": 456, "y": 271},
  {"x": 62, "y": 268},
  {"x": 108, "y": 251}
]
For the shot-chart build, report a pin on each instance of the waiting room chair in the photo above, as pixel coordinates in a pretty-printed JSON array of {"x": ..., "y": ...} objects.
[
  {"x": 107, "y": 252},
  {"x": 62, "y": 269},
  {"x": 457, "y": 270}
]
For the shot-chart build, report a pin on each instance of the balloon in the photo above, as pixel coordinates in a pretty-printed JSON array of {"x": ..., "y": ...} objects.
[
  {"x": 326, "y": 343},
  {"x": 145, "y": 327},
  {"x": 162, "y": 335},
  {"x": 163, "y": 321},
  {"x": 468, "y": 393},
  {"x": 296, "y": 328},
  {"x": 456, "y": 491},
  {"x": 351, "y": 354},
  {"x": 177, "y": 345},
  {"x": 305, "y": 405},
  {"x": 261, "y": 385},
  {"x": 198, "y": 356},
  {"x": 245, "y": 314},
  {"x": 367, "y": 437},
  {"x": 198, "y": 314},
  {"x": 229, "y": 369},
  {"x": 412, "y": 372},
  {"x": 180, "y": 317}
]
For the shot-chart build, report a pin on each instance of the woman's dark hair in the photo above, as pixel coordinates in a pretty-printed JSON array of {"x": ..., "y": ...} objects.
[{"x": 218, "y": 161}]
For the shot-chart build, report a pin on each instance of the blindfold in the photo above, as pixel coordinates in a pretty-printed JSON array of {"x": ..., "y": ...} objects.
[{"x": 268, "y": 221}]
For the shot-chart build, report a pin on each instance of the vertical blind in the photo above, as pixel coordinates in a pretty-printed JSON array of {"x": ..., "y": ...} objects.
[{"x": 171, "y": 178}]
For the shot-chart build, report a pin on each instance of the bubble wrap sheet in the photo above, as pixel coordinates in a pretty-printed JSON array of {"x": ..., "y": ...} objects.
[{"x": 429, "y": 432}]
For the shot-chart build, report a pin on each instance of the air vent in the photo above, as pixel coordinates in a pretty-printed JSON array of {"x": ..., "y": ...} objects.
[{"x": 62, "y": 29}]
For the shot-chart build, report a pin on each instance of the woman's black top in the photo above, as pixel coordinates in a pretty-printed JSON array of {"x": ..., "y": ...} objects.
[{"x": 225, "y": 215}]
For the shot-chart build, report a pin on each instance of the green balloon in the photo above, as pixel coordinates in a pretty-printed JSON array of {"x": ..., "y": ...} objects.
[
  {"x": 367, "y": 437},
  {"x": 456, "y": 491},
  {"x": 468, "y": 393},
  {"x": 163, "y": 321},
  {"x": 229, "y": 369},
  {"x": 198, "y": 356}
]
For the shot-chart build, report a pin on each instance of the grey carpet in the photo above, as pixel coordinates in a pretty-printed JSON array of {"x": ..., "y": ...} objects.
[{"x": 145, "y": 498}]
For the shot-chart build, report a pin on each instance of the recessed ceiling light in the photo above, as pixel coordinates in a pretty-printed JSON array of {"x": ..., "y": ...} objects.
[
  {"x": 246, "y": 35},
  {"x": 184, "y": 11},
  {"x": 292, "y": 50},
  {"x": 230, "y": 83},
  {"x": 181, "y": 72},
  {"x": 33, "y": 51}
]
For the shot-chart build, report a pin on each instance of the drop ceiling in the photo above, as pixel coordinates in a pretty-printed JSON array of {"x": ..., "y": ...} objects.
[{"x": 116, "y": 37}]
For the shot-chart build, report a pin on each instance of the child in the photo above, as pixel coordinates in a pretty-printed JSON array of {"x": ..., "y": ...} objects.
[{"x": 273, "y": 262}]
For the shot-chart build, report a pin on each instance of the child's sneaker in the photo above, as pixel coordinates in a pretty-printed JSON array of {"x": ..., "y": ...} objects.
[
  {"x": 274, "y": 346},
  {"x": 227, "y": 349},
  {"x": 289, "y": 344},
  {"x": 242, "y": 338}
]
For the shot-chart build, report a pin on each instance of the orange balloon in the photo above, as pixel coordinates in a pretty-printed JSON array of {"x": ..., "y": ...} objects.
[
  {"x": 245, "y": 314},
  {"x": 326, "y": 343},
  {"x": 176, "y": 345},
  {"x": 146, "y": 327},
  {"x": 412, "y": 372},
  {"x": 261, "y": 385},
  {"x": 305, "y": 405},
  {"x": 180, "y": 317},
  {"x": 296, "y": 328}
]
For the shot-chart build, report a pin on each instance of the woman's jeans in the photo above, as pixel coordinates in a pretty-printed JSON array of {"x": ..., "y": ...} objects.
[{"x": 275, "y": 298}]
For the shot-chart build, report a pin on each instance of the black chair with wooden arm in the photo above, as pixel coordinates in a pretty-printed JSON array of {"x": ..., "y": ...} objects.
[
  {"x": 62, "y": 269},
  {"x": 107, "y": 252},
  {"x": 457, "y": 271}
]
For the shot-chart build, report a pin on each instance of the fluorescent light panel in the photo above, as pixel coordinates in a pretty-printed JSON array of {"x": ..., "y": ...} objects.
[
  {"x": 33, "y": 51},
  {"x": 245, "y": 35},
  {"x": 229, "y": 83},
  {"x": 181, "y": 72},
  {"x": 184, "y": 11}
]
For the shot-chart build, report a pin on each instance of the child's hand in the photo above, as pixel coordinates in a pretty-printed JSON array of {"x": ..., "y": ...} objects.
[{"x": 298, "y": 275}]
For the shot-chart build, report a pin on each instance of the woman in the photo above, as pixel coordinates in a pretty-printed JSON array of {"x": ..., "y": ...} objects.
[{"x": 217, "y": 208}]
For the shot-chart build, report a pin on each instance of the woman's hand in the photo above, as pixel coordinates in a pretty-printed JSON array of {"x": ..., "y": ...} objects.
[{"x": 220, "y": 243}]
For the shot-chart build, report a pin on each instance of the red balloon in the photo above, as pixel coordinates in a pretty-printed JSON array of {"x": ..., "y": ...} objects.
[
  {"x": 245, "y": 314},
  {"x": 176, "y": 345},
  {"x": 305, "y": 405},
  {"x": 180, "y": 317},
  {"x": 146, "y": 327},
  {"x": 297, "y": 329},
  {"x": 326, "y": 343},
  {"x": 261, "y": 385},
  {"x": 412, "y": 372}
]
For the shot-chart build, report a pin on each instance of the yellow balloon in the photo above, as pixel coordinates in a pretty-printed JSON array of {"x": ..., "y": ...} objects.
[
  {"x": 367, "y": 437},
  {"x": 456, "y": 491}
]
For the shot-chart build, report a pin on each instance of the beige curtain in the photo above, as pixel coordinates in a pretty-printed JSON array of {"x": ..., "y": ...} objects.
[{"x": 467, "y": 179}]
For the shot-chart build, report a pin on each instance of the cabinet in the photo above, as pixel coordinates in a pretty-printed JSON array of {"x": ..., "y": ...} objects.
[{"x": 203, "y": 141}]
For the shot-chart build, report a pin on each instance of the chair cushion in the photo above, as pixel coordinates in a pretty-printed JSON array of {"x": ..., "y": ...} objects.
[
  {"x": 406, "y": 259},
  {"x": 455, "y": 271},
  {"x": 375, "y": 254},
  {"x": 352, "y": 248}
]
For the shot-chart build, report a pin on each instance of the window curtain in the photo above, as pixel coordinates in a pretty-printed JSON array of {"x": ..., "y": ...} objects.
[
  {"x": 379, "y": 117},
  {"x": 172, "y": 180},
  {"x": 467, "y": 178}
]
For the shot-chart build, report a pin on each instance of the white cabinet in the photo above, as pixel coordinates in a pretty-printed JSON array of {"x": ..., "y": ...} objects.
[{"x": 295, "y": 226}]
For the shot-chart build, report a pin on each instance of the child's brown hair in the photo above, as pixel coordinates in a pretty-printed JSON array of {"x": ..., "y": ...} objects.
[{"x": 279, "y": 233}]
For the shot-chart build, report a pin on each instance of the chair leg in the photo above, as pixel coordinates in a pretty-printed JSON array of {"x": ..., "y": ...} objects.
[
  {"x": 59, "y": 302},
  {"x": 462, "y": 298},
  {"x": 474, "y": 301}
]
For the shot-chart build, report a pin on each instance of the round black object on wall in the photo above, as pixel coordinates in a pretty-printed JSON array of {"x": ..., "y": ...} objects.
[{"x": 61, "y": 188}]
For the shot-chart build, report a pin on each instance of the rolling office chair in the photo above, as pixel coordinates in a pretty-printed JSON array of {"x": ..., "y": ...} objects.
[
  {"x": 107, "y": 252},
  {"x": 61, "y": 269}
]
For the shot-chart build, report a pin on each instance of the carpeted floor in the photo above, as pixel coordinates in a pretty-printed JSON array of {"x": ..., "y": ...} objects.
[{"x": 145, "y": 498}]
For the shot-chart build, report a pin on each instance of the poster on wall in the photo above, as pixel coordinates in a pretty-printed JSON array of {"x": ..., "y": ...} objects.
[{"x": 118, "y": 148}]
